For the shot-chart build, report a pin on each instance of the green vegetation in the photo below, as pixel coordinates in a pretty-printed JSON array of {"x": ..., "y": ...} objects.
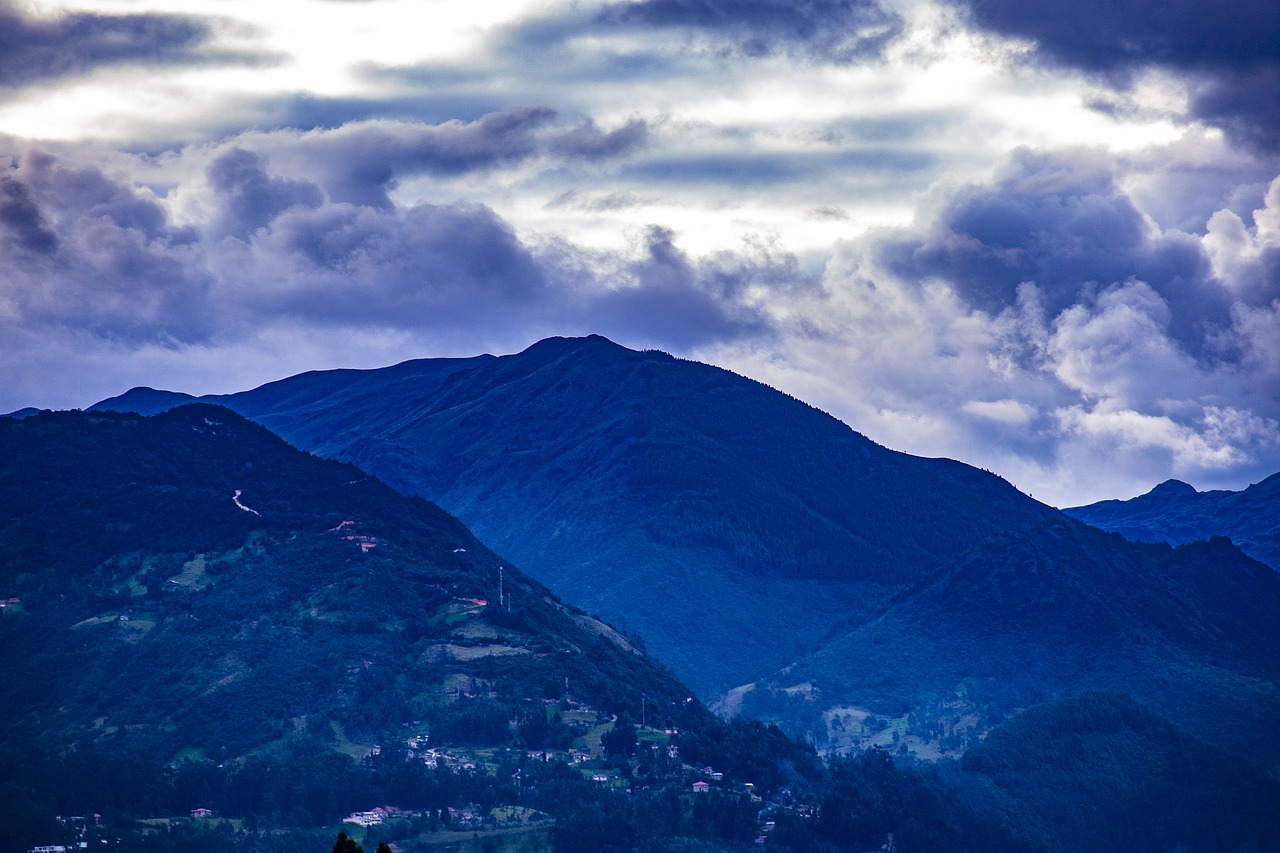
[
  {"x": 731, "y": 526},
  {"x": 1103, "y": 768},
  {"x": 1045, "y": 614},
  {"x": 224, "y": 643}
]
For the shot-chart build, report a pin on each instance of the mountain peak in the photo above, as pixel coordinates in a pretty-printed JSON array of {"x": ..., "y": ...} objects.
[
  {"x": 1173, "y": 488},
  {"x": 559, "y": 344},
  {"x": 143, "y": 400}
]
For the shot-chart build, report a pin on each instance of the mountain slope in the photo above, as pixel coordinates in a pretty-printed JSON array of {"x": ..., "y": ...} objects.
[
  {"x": 1191, "y": 631},
  {"x": 729, "y": 524},
  {"x": 1175, "y": 512},
  {"x": 195, "y": 585},
  {"x": 1103, "y": 768}
]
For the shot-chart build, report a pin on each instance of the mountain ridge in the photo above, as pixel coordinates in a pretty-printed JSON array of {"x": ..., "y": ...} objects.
[
  {"x": 776, "y": 558},
  {"x": 622, "y": 477},
  {"x": 1176, "y": 512}
]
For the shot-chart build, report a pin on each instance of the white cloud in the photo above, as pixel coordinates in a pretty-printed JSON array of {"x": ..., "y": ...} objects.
[{"x": 1008, "y": 412}]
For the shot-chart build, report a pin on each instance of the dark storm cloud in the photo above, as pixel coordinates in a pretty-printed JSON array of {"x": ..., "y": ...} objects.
[
  {"x": 35, "y": 49},
  {"x": 433, "y": 267},
  {"x": 1061, "y": 222},
  {"x": 251, "y": 198},
  {"x": 672, "y": 299},
  {"x": 105, "y": 260},
  {"x": 1110, "y": 37},
  {"x": 590, "y": 142},
  {"x": 1229, "y": 50},
  {"x": 1245, "y": 104},
  {"x": 427, "y": 266},
  {"x": 92, "y": 195},
  {"x": 361, "y": 163},
  {"x": 822, "y": 30},
  {"x": 85, "y": 253},
  {"x": 23, "y": 223}
]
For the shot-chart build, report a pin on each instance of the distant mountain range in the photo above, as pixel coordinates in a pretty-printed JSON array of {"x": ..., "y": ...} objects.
[
  {"x": 777, "y": 559},
  {"x": 1175, "y": 512}
]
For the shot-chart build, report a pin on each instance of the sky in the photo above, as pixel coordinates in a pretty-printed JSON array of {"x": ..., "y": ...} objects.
[{"x": 1042, "y": 238}]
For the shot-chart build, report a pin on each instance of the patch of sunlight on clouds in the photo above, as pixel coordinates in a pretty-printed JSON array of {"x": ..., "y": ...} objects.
[{"x": 321, "y": 48}]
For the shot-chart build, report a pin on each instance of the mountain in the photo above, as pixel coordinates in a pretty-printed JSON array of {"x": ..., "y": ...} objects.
[
  {"x": 192, "y": 585},
  {"x": 729, "y": 525},
  {"x": 1044, "y": 614},
  {"x": 200, "y": 619},
  {"x": 786, "y": 564},
  {"x": 1175, "y": 512},
  {"x": 1104, "y": 768}
]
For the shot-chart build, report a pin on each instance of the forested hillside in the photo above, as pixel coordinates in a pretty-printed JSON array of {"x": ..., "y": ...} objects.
[
  {"x": 729, "y": 525},
  {"x": 1046, "y": 614}
]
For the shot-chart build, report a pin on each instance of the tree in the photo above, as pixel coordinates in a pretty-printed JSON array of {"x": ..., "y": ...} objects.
[
  {"x": 620, "y": 740},
  {"x": 344, "y": 844}
]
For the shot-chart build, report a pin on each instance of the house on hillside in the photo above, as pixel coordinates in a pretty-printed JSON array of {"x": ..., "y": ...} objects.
[
  {"x": 201, "y": 813},
  {"x": 701, "y": 787}
]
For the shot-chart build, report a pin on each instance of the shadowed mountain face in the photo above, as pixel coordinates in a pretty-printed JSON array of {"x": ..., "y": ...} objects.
[
  {"x": 190, "y": 582},
  {"x": 774, "y": 557},
  {"x": 728, "y": 524},
  {"x": 1102, "y": 767},
  {"x": 1048, "y": 613},
  {"x": 1175, "y": 512}
]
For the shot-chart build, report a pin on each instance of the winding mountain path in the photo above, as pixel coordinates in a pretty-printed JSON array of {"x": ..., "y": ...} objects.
[{"x": 236, "y": 498}]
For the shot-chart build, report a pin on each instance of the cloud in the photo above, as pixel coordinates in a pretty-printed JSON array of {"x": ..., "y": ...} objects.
[
  {"x": 1008, "y": 412},
  {"x": 1108, "y": 347},
  {"x": 23, "y": 223},
  {"x": 250, "y": 197},
  {"x": 1061, "y": 222},
  {"x": 1248, "y": 259},
  {"x": 1244, "y": 103},
  {"x": 1217, "y": 438},
  {"x": 98, "y": 256},
  {"x": 763, "y": 168},
  {"x": 1083, "y": 322},
  {"x": 424, "y": 267},
  {"x": 1039, "y": 324},
  {"x": 244, "y": 250},
  {"x": 822, "y": 30},
  {"x": 1100, "y": 35},
  {"x": 1227, "y": 52},
  {"x": 37, "y": 49},
  {"x": 661, "y": 296},
  {"x": 362, "y": 162},
  {"x": 590, "y": 142}
]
